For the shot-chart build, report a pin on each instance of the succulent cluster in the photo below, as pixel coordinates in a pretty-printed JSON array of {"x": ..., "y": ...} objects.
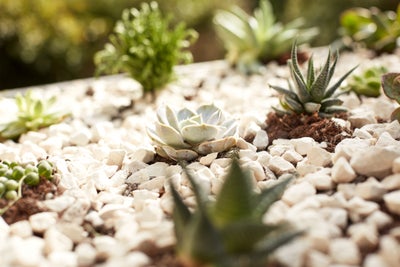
[
  {"x": 312, "y": 93},
  {"x": 186, "y": 134},
  {"x": 229, "y": 231},
  {"x": 145, "y": 46},
  {"x": 252, "y": 40},
  {"x": 33, "y": 114},
  {"x": 13, "y": 175},
  {"x": 367, "y": 83},
  {"x": 391, "y": 88},
  {"x": 372, "y": 28}
]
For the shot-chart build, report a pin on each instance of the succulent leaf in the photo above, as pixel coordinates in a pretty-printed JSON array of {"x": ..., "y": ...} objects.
[
  {"x": 391, "y": 85},
  {"x": 195, "y": 134}
]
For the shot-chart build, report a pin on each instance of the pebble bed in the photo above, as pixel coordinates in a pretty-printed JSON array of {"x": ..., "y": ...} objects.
[{"x": 347, "y": 201}]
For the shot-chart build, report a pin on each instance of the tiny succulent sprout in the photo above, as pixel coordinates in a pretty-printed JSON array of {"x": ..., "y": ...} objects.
[
  {"x": 186, "y": 134},
  {"x": 45, "y": 169},
  {"x": 253, "y": 40},
  {"x": 33, "y": 114},
  {"x": 391, "y": 88},
  {"x": 229, "y": 231},
  {"x": 367, "y": 83},
  {"x": 146, "y": 47},
  {"x": 311, "y": 94}
]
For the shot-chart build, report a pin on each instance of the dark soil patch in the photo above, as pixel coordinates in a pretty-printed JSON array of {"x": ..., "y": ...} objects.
[
  {"x": 297, "y": 126},
  {"x": 29, "y": 203}
]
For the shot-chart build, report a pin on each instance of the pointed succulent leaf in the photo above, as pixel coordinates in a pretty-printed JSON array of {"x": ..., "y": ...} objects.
[
  {"x": 195, "y": 134},
  {"x": 293, "y": 104},
  {"x": 263, "y": 201},
  {"x": 333, "y": 109},
  {"x": 295, "y": 64},
  {"x": 334, "y": 87},
  {"x": 185, "y": 114},
  {"x": 209, "y": 113},
  {"x": 241, "y": 237},
  {"x": 201, "y": 197},
  {"x": 310, "y": 73},
  {"x": 167, "y": 115},
  {"x": 331, "y": 102},
  {"x": 317, "y": 90},
  {"x": 284, "y": 91},
  {"x": 38, "y": 108},
  {"x": 395, "y": 115},
  {"x": 169, "y": 135},
  {"x": 230, "y": 128},
  {"x": 234, "y": 200},
  {"x": 302, "y": 91},
  {"x": 391, "y": 85},
  {"x": 176, "y": 154}
]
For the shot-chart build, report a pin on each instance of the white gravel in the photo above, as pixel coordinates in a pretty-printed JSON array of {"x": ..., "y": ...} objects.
[{"x": 348, "y": 200}]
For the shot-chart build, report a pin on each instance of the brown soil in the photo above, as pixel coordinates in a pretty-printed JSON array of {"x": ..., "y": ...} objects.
[
  {"x": 297, "y": 126},
  {"x": 29, "y": 204}
]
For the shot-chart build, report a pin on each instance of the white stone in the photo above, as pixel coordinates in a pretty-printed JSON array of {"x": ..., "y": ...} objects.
[
  {"x": 342, "y": 172},
  {"x": 389, "y": 250},
  {"x": 81, "y": 138},
  {"x": 141, "y": 196},
  {"x": 303, "y": 145},
  {"x": 142, "y": 154},
  {"x": 392, "y": 201},
  {"x": 279, "y": 166},
  {"x": 63, "y": 259},
  {"x": 59, "y": 204},
  {"x": 25, "y": 252},
  {"x": 135, "y": 258},
  {"x": 364, "y": 235},
  {"x": 317, "y": 259},
  {"x": 344, "y": 251},
  {"x": 151, "y": 215},
  {"x": 318, "y": 156},
  {"x": 116, "y": 157},
  {"x": 86, "y": 254},
  {"x": 261, "y": 140},
  {"x": 107, "y": 246},
  {"x": 320, "y": 181},
  {"x": 292, "y": 254},
  {"x": 385, "y": 139},
  {"x": 362, "y": 134},
  {"x": 362, "y": 118},
  {"x": 359, "y": 208},
  {"x": 336, "y": 216},
  {"x": 77, "y": 211},
  {"x": 304, "y": 167},
  {"x": 396, "y": 165},
  {"x": 374, "y": 260},
  {"x": 371, "y": 189},
  {"x": 154, "y": 184},
  {"x": 348, "y": 190},
  {"x": 40, "y": 222},
  {"x": 4, "y": 229},
  {"x": 292, "y": 156},
  {"x": 298, "y": 192},
  {"x": 391, "y": 182},
  {"x": 22, "y": 229},
  {"x": 349, "y": 146},
  {"x": 379, "y": 219},
  {"x": 74, "y": 232},
  {"x": 208, "y": 159},
  {"x": 56, "y": 241}
]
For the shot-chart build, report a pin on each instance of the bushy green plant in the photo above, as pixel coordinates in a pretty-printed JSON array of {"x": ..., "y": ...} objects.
[
  {"x": 145, "y": 46},
  {"x": 367, "y": 83},
  {"x": 311, "y": 94},
  {"x": 252, "y": 40},
  {"x": 186, "y": 134},
  {"x": 33, "y": 114},
  {"x": 229, "y": 232},
  {"x": 372, "y": 28},
  {"x": 13, "y": 175},
  {"x": 391, "y": 88}
]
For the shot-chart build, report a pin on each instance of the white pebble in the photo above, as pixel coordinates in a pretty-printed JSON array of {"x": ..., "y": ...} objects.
[
  {"x": 261, "y": 140},
  {"x": 392, "y": 201},
  {"x": 279, "y": 166},
  {"x": 298, "y": 192},
  {"x": 370, "y": 189},
  {"x": 116, "y": 157},
  {"x": 319, "y": 156},
  {"x": 40, "y": 222},
  {"x": 22, "y": 229},
  {"x": 303, "y": 145},
  {"x": 344, "y": 251},
  {"x": 56, "y": 241},
  {"x": 86, "y": 254},
  {"x": 342, "y": 172},
  {"x": 63, "y": 259},
  {"x": 364, "y": 235}
]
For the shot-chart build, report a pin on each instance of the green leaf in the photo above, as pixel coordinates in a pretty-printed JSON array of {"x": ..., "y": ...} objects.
[
  {"x": 234, "y": 200},
  {"x": 310, "y": 72},
  {"x": 391, "y": 85},
  {"x": 317, "y": 90},
  {"x": 334, "y": 87}
]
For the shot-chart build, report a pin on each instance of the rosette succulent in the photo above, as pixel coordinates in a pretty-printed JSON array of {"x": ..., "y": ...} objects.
[
  {"x": 186, "y": 134},
  {"x": 311, "y": 94},
  {"x": 391, "y": 88},
  {"x": 367, "y": 83}
]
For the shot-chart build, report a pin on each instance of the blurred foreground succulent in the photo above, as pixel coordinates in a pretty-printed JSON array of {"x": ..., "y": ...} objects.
[
  {"x": 186, "y": 134},
  {"x": 229, "y": 232},
  {"x": 391, "y": 88},
  {"x": 252, "y": 40},
  {"x": 146, "y": 47},
  {"x": 33, "y": 114},
  {"x": 367, "y": 83},
  {"x": 14, "y": 175},
  {"x": 372, "y": 28},
  {"x": 312, "y": 93}
]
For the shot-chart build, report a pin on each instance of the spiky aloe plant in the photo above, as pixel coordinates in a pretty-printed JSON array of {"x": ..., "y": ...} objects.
[
  {"x": 252, "y": 40},
  {"x": 33, "y": 114},
  {"x": 310, "y": 94},
  {"x": 146, "y": 47},
  {"x": 229, "y": 232},
  {"x": 367, "y": 83},
  {"x": 391, "y": 88}
]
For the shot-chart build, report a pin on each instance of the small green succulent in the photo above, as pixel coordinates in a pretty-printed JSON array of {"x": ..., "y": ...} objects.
[
  {"x": 33, "y": 114},
  {"x": 146, "y": 47},
  {"x": 13, "y": 175},
  {"x": 229, "y": 232},
  {"x": 391, "y": 88},
  {"x": 367, "y": 83},
  {"x": 374, "y": 29},
  {"x": 312, "y": 93},
  {"x": 186, "y": 134},
  {"x": 252, "y": 40}
]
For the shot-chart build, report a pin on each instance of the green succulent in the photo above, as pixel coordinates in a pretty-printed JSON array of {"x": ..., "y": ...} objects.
[
  {"x": 33, "y": 114},
  {"x": 14, "y": 175},
  {"x": 391, "y": 88},
  {"x": 374, "y": 29},
  {"x": 252, "y": 40},
  {"x": 368, "y": 83},
  {"x": 312, "y": 93},
  {"x": 229, "y": 232},
  {"x": 186, "y": 134},
  {"x": 146, "y": 47}
]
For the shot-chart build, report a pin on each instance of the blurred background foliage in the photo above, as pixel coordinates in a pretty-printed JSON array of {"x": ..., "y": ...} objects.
[{"x": 44, "y": 41}]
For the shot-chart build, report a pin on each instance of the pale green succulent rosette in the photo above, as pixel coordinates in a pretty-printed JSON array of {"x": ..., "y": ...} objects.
[{"x": 186, "y": 134}]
